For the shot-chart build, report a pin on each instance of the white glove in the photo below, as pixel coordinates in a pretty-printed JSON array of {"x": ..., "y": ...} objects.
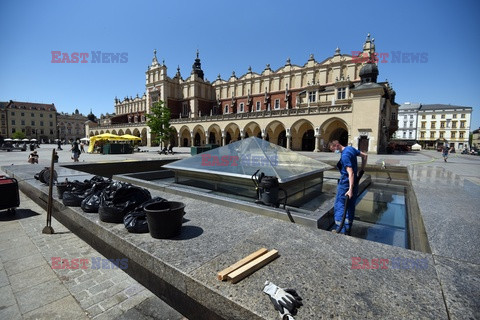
[{"x": 285, "y": 301}]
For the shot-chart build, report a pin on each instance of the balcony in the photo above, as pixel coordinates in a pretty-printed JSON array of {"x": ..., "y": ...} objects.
[{"x": 320, "y": 109}]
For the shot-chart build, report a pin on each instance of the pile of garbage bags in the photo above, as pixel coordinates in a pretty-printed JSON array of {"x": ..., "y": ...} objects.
[{"x": 114, "y": 201}]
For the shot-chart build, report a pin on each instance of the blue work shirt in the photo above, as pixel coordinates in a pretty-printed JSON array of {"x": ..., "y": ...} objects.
[{"x": 348, "y": 158}]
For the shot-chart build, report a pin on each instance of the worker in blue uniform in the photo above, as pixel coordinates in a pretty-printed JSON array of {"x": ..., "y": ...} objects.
[{"x": 347, "y": 184}]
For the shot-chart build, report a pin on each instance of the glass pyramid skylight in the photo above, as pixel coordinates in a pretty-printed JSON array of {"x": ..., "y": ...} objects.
[{"x": 242, "y": 158}]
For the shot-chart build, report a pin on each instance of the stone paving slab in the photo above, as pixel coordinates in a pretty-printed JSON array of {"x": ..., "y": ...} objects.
[{"x": 460, "y": 282}]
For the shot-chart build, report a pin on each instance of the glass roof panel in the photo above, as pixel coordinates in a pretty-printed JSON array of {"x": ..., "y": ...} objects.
[{"x": 244, "y": 157}]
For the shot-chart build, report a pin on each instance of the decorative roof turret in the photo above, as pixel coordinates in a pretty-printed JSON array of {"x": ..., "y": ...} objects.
[
  {"x": 154, "y": 60},
  {"x": 197, "y": 67}
]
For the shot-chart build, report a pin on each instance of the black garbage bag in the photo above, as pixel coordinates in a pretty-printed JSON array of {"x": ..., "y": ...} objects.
[
  {"x": 119, "y": 198},
  {"x": 136, "y": 221},
  {"x": 76, "y": 192},
  {"x": 91, "y": 203}
]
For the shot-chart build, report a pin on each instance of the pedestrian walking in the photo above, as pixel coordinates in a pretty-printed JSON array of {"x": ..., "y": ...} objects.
[
  {"x": 445, "y": 152},
  {"x": 75, "y": 151}
]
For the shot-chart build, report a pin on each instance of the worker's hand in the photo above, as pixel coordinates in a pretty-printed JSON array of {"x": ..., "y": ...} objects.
[
  {"x": 287, "y": 299},
  {"x": 349, "y": 193}
]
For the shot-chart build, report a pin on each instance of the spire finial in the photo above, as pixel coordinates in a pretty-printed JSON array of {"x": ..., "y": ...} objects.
[
  {"x": 197, "y": 53},
  {"x": 249, "y": 68},
  {"x": 155, "y": 52}
]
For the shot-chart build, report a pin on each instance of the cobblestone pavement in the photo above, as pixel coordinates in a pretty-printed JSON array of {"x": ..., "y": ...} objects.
[{"x": 31, "y": 289}]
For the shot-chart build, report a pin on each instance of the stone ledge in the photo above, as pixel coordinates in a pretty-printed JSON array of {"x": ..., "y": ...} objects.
[{"x": 314, "y": 262}]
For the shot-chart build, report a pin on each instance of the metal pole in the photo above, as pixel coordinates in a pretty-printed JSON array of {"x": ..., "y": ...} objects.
[{"x": 48, "y": 228}]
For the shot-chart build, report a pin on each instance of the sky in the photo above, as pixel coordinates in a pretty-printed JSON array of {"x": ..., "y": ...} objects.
[{"x": 231, "y": 36}]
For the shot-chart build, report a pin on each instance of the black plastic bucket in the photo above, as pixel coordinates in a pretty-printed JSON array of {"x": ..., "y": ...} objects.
[
  {"x": 61, "y": 188},
  {"x": 165, "y": 218}
]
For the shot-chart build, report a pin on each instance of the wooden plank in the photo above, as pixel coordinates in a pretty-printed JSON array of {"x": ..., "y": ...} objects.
[
  {"x": 222, "y": 275},
  {"x": 252, "y": 266}
]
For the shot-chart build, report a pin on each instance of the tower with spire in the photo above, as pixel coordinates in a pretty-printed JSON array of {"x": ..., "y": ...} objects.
[{"x": 197, "y": 67}]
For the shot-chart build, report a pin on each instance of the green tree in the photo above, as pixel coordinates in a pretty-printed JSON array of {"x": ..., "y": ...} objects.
[
  {"x": 19, "y": 135},
  {"x": 159, "y": 122}
]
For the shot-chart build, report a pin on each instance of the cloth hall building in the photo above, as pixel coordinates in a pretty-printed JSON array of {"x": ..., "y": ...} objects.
[{"x": 301, "y": 108}]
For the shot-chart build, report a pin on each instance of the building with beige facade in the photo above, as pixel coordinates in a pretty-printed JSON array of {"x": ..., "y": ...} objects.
[
  {"x": 35, "y": 120},
  {"x": 70, "y": 126},
  {"x": 441, "y": 124},
  {"x": 300, "y": 107}
]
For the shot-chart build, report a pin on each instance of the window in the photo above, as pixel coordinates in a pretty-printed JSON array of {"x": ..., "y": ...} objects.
[
  {"x": 32, "y": 114},
  {"x": 41, "y": 123},
  {"x": 226, "y": 108},
  {"x": 41, "y": 115},
  {"x": 432, "y": 135},
  {"x": 422, "y": 134},
  {"x": 463, "y": 115},
  {"x": 411, "y": 116},
  {"x": 453, "y": 134},
  {"x": 13, "y": 123},
  {"x": 41, "y": 131},
  {"x": 33, "y": 123},
  {"x": 404, "y": 134},
  {"x": 242, "y": 107},
  {"x": 13, "y": 130},
  {"x": 454, "y": 116},
  {"x": 461, "y": 134},
  {"x": 12, "y": 113},
  {"x": 277, "y": 103},
  {"x": 394, "y": 116},
  {"x": 454, "y": 124},
  {"x": 410, "y": 134},
  {"x": 404, "y": 124},
  {"x": 424, "y": 124},
  {"x": 51, "y": 124},
  {"x": 312, "y": 96},
  {"x": 442, "y": 124},
  {"x": 462, "y": 124},
  {"x": 22, "y": 114},
  {"x": 50, "y": 116},
  {"x": 258, "y": 106},
  {"x": 405, "y": 117},
  {"x": 441, "y": 134},
  {"x": 423, "y": 116},
  {"x": 185, "y": 109},
  {"x": 23, "y": 122},
  {"x": 442, "y": 116},
  {"x": 433, "y": 125},
  {"x": 341, "y": 93},
  {"x": 411, "y": 124},
  {"x": 433, "y": 116}
]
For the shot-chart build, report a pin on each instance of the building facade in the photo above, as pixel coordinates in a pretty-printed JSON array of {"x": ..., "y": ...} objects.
[
  {"x": 476, "y": 139},
  {"x": 70, "y": 126},
  {"x": 407, "y": 122},
  {"x": 297, "y": 107},
  {"x": 40, "y": 121},
  {"x": 441, "y": 124},
  {"x": 35, "y": 120}
]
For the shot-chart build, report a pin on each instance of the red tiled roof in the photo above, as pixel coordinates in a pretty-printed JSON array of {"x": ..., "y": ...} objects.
[{"x": 31, "y": 106}]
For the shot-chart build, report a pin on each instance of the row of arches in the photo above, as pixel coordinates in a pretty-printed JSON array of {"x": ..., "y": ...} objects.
[{"x": 301, "y": 136}]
